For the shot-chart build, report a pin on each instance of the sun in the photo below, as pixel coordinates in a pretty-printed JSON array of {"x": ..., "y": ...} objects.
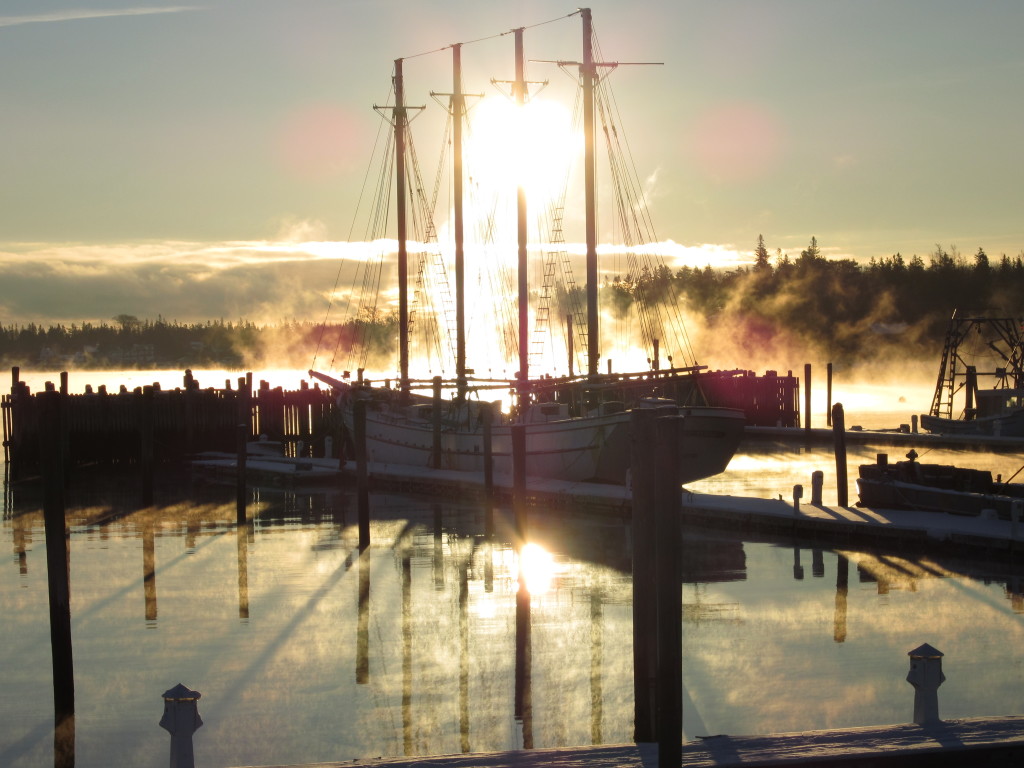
[{"x": 533, "y": 145}]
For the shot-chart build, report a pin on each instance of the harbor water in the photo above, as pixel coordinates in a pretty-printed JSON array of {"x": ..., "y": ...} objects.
[{"x": 305, "y": 650}]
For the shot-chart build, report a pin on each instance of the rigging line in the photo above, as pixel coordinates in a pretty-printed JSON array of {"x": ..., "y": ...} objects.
[
  {"x": 643, "y": 222},
  {"x": 490, "y": 37},
  {"x": 355, "y": 216}
]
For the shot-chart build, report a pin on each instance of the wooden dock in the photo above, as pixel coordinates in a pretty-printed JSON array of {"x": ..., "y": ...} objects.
[
  {"x": 851, "y": 524},
  {"x": 160, "y": 426},
  {"x": 953, "y": 744}
]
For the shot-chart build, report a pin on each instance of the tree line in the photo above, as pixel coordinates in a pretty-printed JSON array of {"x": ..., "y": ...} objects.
[
  {"x": 826, "y": 309},
  {"x": 129, "y": 342},
  {"x": 838, "y": 309}
]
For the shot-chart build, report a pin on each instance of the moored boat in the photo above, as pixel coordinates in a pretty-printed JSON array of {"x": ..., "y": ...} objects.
[
  {"x": 937, "y": 488},
  {"x": 576, "y": 434},
  {"x": 959, "y": 405}
]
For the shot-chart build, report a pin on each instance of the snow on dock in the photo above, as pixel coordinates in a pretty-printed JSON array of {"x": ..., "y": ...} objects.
[
  {"x": 976, "y": 741},
  {"x": 737, "y": 512}
]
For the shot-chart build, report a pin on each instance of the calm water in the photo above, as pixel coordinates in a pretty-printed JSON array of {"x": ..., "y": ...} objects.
[{"x": 304, "y": 651}]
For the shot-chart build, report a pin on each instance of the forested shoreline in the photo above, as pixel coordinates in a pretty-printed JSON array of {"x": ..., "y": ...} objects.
[
  {"x": 820, "y": 308},
  {"x": 888, "y": 310}
]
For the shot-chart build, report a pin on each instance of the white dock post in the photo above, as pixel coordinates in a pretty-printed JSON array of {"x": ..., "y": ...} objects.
[
  {"x": 181, "y": 719},
  {"x": 926, "y": 677}
]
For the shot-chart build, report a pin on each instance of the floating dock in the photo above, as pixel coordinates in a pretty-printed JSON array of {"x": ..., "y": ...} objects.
[
  {"x": 975, "y": 741},
  {"x": 851, "y": 523}
]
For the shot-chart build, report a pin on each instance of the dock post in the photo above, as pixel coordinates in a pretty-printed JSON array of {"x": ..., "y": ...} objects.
[
  {"x": 926, "y": 677},
  {"x": 645, "y": 612},
  {"x": 807, "y": 397},
  {"x": 242, "y": 449},
  {"x": 435, "y": 456},
  {"x": 519, "y": 479},
  {"x": 818, "y": 480},
  {"x": 669, "y": 584},
  {"x": 839, "y": 436},
  {"x": 146, "y": 444},
  {"x": 828, "y": 394},
  {"x": 798, "y": 493},
  {"x": 487, "y": 420},
  {"x": 181, "y": 719},
  {"x": 913, "y": 423},
  {"x": 362, "y": 479},
  {"x": 57, "y": 577}
]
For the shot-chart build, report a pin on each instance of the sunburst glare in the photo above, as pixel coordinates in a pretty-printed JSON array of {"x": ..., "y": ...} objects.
[{"x": 533, "y": 146}]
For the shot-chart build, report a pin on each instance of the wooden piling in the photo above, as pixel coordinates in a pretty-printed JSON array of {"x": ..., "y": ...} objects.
[
  {"x": 828, "y": 394},
  {"x": 807, "y": 397},
  {"x": 435, "y": 455},
  {"x": 145, "y": 422},
  {"x": 643, "y": 471},
  {"x": 519, "y": 479},
  {"x": 362, "y": 477},
  {"x": 241, "y": 457},
  {"x": 668, "y": 506},
  {"x": 57, "y": 557},
  {"x": 839, "y": 437},
  {"x": 487, "y": 420}
]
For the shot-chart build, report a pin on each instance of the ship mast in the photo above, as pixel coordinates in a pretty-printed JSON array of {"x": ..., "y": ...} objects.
[
  {"x": 400, "y": 121},
  {"x": 519, "y": 92},
  {"x": 459, "y": 110},
  {"x": 588, "y": 72},
  {"x": 589, "y": 77}
]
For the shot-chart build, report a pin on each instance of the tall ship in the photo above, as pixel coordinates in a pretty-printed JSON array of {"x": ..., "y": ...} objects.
[{"x": 576, "y": 426}]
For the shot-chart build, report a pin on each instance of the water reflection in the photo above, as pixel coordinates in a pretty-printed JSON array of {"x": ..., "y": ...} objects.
[{"x": 464, "y": 643}]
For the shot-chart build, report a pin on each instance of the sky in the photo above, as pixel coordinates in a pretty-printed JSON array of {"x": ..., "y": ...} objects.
[{"x": 205, "y": 160}]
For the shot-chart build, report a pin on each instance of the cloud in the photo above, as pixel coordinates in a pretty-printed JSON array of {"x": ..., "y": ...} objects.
[
  {"x": 79, "y": 14},
  {"x": 262, "y": 281}
]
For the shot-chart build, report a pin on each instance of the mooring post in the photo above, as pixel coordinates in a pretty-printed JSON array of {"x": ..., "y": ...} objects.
[
  {"x": 242, "y": 454},
  {"x": 181, "y": 719},
  {"x": 818, "y": 480},
  {"x": 798, "y": 493},
  {"x": 486, "y": 420},
  {"x": 839, "y": 437},
  {"x": 57, "y": 577},
  {"x": 643, "y": 450},
  {"x": 807, "y": 396},
  {"x": 362, "y": 478},
  {"x": 519, "y": 479},
  {"x": 828, "y": 393},
  {"x": 926, "y": 677},
  {"x": 146, "y": 444},
  {"x": 668, "y": 574},
  {"x": 435, "y": 457}
]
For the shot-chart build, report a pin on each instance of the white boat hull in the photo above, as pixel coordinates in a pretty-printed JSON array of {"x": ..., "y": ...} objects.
[{"x": 591, "y": 448}]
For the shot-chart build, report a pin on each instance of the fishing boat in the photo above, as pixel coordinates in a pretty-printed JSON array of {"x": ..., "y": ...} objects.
[
  {"x": 937, "y": 488},
  {"x": 576, "y": 427},
  {"x": 959, "y": 405}
]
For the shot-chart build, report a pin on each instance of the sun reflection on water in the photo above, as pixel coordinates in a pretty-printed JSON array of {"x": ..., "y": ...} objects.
[{"x": 538, "y": 569}]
